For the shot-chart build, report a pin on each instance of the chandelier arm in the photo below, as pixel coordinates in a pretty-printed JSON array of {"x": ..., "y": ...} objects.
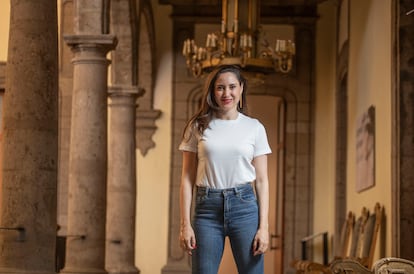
[{"x": 234, "y": 44}]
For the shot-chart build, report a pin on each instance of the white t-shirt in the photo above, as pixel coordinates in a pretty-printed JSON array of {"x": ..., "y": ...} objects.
[{"x": 225, "y": 151}]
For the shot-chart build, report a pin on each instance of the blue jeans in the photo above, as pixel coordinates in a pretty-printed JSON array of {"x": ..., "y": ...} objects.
[{"x": 221, "y": 213}]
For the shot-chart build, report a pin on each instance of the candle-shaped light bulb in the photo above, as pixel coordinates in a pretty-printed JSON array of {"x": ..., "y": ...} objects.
[
  {"x": 249, "y": 41},
  {"x": 277, "y": 46},
  {"x": 200, "y": 53},
  {"x": 282, "y": 45},
  {"x": 213, "y": 43},
  {"x": 185, "y": 47}
]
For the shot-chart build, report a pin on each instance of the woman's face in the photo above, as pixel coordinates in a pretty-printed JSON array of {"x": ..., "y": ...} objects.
[{"x": 227, "y": 91}]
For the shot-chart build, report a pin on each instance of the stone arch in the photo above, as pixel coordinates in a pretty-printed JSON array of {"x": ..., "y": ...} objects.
[
  {"x": 133, "y": 63},
  {"x": 146, "y": 114},
  {"x": 298, "y": 152},
  {"x": 194, "y": 100},
  {"x": 297, "y": 158}
]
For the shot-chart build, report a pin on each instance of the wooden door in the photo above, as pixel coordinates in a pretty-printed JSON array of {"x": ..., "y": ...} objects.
[{"x": 270, "y": 111}]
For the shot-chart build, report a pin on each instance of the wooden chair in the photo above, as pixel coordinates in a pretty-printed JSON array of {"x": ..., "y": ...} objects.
[
  {"x": 305, "y": 266},
  {"x": 363, "y": 242},
  {"x": 349, "y": 251},
  {"x": 367, "y": 238},
  {"x": 349, "y": 266},
  {"x": 393, "y": 265},
  {"x": 357, "y": 234},
  {"x": 341, "y": 250}
]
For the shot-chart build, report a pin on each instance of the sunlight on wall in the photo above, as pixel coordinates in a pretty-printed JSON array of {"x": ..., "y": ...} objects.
[
  {"x": 153, "y": 184},
  {"x": 4, "y": 28},
  {"x": 153, "y": 170},
  {"x": 369, "y": 83},
  {"x": 324, "y": 191}
]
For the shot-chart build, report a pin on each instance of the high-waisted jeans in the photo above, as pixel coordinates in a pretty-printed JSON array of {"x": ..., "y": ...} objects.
[{"x": 221, "y": 213}]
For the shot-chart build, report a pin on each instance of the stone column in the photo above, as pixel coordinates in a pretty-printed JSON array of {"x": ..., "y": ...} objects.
[
  {"x": 85, "y": 243},
  {"x": 121, "y": 198},
  {"x": 30, "y": 149}
]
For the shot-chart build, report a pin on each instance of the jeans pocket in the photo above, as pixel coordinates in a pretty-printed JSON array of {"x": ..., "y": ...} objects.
[{"x": 247, "y": 196}]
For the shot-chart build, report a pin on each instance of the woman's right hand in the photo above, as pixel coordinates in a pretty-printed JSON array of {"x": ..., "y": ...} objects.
[
  {"x": 188, "y": 176},
  {"x": 187, "y": 239}
]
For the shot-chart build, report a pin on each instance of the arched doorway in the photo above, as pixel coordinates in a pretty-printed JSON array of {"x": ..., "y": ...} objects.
[{"x": 270, "y": 110}]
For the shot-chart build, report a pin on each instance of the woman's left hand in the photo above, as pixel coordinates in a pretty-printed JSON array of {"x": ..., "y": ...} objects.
[{"x": 261, "y": 241}]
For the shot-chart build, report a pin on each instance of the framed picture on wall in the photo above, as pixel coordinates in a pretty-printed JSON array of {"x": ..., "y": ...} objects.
[{"x": 365, "y": 150}]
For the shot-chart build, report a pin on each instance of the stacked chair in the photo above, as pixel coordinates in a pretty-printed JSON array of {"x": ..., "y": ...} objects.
[
  {"x": 393, "y": 265},
  {"x": 355, "y": 249},
  {"x": 388, "y": 265}
]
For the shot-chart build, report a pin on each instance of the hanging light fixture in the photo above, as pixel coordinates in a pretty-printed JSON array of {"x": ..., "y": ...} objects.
[{"x": 237, "y": 43}]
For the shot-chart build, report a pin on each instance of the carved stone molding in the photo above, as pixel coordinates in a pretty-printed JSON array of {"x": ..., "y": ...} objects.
[
  {"x": 133, "y": 63},
  {"x": 145, "y": 129}
]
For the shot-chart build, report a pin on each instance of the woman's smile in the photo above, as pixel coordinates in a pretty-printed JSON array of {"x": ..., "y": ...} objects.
[
  {"x": 226, "y": 101},
  {"x": 227, "y": 93}
]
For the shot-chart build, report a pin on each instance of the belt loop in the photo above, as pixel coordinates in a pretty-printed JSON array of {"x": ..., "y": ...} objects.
[{"x": 237, "y": 190}]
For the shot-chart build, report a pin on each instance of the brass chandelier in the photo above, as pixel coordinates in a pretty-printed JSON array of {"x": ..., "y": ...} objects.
[{"x": 237, "y": 43}]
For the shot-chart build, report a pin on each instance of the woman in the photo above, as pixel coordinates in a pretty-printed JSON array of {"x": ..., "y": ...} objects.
[{"x": 224, "y": 152}]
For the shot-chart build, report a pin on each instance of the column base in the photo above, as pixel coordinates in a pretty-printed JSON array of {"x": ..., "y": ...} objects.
[
  {"x": 176, "y": 268},
  {"x": 75, "y": 270},
  {"x": 124, "y": 270},
  {"x": 5, "y": 270}
]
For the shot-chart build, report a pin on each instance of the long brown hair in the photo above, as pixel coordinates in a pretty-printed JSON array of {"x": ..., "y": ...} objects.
[{"x": 201, "y": 119}]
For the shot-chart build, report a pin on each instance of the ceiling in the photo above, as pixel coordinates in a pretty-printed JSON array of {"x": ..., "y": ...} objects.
[
  {"x": 263, "y": 2},
  {"x": 269, "y": 8}
]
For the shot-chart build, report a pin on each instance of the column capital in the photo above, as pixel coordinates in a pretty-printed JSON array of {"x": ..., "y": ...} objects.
[
  {"x": 106, "y": 41},
  {"x": 121, "y": 90}
]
